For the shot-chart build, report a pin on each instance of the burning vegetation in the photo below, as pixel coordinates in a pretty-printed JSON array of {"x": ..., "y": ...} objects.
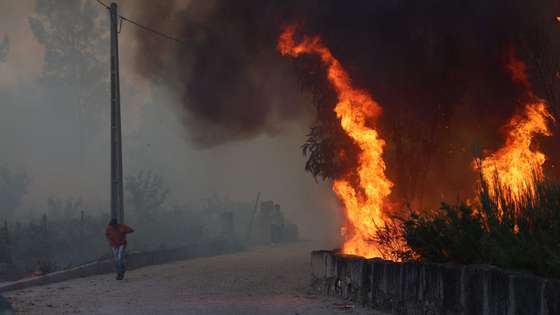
[
  {"x": 438, "y": 70},
  {"x": 364, "y": 190},
  {"x": 510, "y": 177},
  {"x": 514, "y": 168}
]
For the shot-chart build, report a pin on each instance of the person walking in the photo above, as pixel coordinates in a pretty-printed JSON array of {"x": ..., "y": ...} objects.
[{"x": 116, "y": 235}]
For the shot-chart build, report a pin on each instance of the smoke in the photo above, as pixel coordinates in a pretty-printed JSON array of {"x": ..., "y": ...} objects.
[
  {"x": 231, "y": 82},
  {"x": 437, "y": 67},
  {"x": 54, "y": 121}
]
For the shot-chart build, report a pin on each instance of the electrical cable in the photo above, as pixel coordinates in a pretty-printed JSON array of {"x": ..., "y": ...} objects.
[
  {"x": 144, "y": 27},
  {"x": 103, "y": 4}
]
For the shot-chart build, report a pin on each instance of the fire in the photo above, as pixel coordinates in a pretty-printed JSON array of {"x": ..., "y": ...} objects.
[
  {"x": 365, "y": 196},
  {"x": 514, "y": 168}
]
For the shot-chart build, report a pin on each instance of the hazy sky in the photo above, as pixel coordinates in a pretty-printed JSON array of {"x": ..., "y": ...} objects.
[{"x": 66, "y": 158}]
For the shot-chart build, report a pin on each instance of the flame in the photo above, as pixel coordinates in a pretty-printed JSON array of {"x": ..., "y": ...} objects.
[
  {"x": 514, "y": 168},
  {"x": 365, "y": 196}
]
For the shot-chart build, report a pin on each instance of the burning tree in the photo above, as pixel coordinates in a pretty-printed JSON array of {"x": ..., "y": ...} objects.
[
  {"x": 364, "y": 188},
  {"x": 344, "y": 147},
  {"x": 514, "y": 222},
  {"x": 326, "y": 136}
]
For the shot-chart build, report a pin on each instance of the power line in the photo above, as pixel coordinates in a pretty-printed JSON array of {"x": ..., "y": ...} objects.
[
  {"x": 103, "y": 4},
  {"x": 144, "y": 27}
]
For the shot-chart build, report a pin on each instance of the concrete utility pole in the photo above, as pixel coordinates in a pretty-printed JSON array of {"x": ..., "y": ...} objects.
[{"x": 117, "y": 207}]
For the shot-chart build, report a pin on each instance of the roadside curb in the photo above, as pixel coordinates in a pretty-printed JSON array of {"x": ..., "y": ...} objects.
[{"x": 134, "y": 261}]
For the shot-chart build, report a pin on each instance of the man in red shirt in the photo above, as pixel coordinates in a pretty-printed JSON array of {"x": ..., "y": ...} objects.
[{"x": 116, "y": 235}]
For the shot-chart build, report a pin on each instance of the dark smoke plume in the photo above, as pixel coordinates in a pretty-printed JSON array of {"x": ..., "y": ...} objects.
[
  {"x": 232, "y": 83},
  {"x": 437, "y": 67}
]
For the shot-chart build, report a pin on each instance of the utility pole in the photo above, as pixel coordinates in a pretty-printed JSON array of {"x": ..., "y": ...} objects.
[
  {"x": 117, "y": 210},
  {"x": 250, "y": 230}
]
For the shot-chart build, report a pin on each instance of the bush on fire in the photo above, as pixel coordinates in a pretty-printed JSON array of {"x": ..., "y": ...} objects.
[{"x": 523, "y": 236}]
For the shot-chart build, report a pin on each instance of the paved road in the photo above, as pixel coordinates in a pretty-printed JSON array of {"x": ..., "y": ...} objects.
[{"x": 269, "y": 280}]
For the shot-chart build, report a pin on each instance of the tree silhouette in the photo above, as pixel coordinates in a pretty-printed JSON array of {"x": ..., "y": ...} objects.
[
  {"x": 146, "y": 194},
  {"x": 67, "y": 208},
  {"x": 13, "y": 186},
  {"x": 4, "y": 48},
  {"x": 75, "y": 64},
  {"x": 73, "y": 42}
]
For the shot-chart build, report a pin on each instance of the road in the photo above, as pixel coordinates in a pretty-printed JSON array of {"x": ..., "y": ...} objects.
[{"x": 271, "y": 280}]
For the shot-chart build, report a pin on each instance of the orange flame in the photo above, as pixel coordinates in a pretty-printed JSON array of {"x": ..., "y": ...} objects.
[
  {"x": 516, "y": 166},
  {"x": 363, "y": 198}
]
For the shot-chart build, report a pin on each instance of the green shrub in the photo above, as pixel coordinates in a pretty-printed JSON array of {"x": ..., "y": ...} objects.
[{"x": 523, "y": 236}]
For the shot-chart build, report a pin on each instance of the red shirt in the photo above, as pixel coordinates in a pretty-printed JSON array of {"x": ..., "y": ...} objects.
[{"x": 116, "y": 234}]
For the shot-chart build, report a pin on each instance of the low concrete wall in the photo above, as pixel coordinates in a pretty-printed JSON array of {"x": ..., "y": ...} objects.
[
  {"x": 134, "y": 261},
  {"x": 424, "y": 288}
]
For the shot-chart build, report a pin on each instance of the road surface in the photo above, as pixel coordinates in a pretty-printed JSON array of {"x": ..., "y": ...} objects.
[{"x": 271, "y": 280}]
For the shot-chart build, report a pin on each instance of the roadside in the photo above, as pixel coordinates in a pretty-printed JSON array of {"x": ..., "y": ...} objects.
[{"x": 265, "y": 280}]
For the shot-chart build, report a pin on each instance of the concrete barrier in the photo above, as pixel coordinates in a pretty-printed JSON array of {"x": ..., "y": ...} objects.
[
  {"x": 133, "y": 261},
  {"x": 423, "y": 288}
]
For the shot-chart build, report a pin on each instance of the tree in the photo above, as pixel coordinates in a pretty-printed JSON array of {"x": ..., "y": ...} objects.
[
  {"x": 67, "y": 208},
  {"x": 329, "y": 151},
  {"x": 13, "y": 187},
  {"x": 146, "y": 194},
  {"x": 72, "y": 40},
  {"x": 537, "y": 41},
  {"x": 4, "y": 48},
  {"x": 75, "y": 70}
]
